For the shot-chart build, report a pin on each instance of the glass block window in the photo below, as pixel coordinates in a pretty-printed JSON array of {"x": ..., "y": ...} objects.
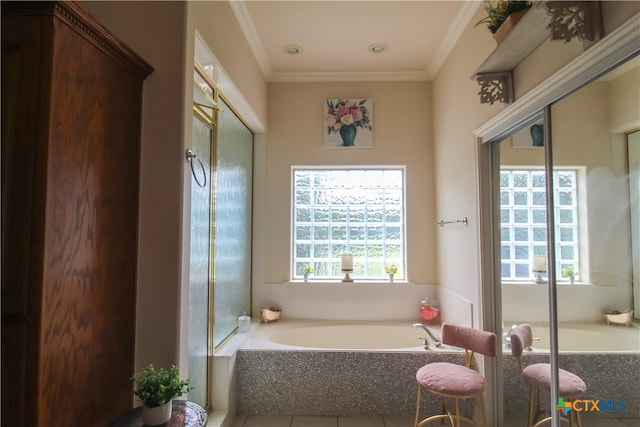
[
  {"x": 523, "y": 221},
  {"x": 357, "y": 211}
]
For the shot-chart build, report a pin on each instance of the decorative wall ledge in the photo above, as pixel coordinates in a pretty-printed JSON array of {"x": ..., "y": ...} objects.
[{"x": 558, "y": 20}]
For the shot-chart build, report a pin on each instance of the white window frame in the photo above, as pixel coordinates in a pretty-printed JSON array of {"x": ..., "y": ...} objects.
[
  {"x": 579, "y": 243},
  {"x": 365, "y": 268}
]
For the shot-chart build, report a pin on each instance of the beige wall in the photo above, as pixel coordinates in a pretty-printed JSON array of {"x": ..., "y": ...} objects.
[
  {"x": 402, "y": 135},
  {"x": 402, "y": 132},
  {"x": 163, "y": 34},
  {"x": 434, "y": 138},
  {"x": 457, "y": 112},
  {"x": 624, "y": 107}
]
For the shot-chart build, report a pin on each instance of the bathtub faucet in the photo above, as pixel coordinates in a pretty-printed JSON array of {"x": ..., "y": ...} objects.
[{"x": 436, "y": 340}]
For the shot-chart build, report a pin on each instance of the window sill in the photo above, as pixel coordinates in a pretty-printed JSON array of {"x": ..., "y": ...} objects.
[
  {"x": 356, "y": 282},
  {"x": 531, "y": 283}
]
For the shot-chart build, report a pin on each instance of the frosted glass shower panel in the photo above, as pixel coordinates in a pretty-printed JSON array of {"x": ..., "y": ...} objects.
[
  {"x": 233, "y": 217},
  {"x": 199, "y": 262}
]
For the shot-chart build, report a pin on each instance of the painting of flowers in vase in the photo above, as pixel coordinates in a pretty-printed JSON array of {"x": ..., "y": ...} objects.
[{"x": 348, "y": 123}]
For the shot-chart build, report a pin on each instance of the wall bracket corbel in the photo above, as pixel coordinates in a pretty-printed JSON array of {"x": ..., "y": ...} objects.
[
  {"x": 575, "y": 19},
  {"x": 495, "y": 87},
  {"x": 554, "y": 20}
]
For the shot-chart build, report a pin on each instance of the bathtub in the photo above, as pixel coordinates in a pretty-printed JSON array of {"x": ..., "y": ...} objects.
[
  {"x": 353, "y": 368},
  {"x": 585, "y": 337},
  {"x": 329, "y": 335},
  {"x": 335, "y": 368}
]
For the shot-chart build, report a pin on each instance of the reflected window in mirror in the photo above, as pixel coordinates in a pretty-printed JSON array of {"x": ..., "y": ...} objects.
[{"x": 523, "y": 221}]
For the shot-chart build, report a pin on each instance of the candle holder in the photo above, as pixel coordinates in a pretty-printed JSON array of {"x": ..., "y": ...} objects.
[
  {"x": 346, "y": 277},
  {"x": 539, "y": 268},
  {"x": 538, "y": 276},
  {"x": 346, "y": 265}
]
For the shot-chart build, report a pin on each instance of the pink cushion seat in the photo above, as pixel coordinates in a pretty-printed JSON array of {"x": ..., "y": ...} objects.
[
  {"x": 450, "y": 379},
  {"x": 570, "y": 385}
]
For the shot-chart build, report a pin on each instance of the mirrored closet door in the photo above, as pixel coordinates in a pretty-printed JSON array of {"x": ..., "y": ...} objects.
[{"x": 561, "y": 178}]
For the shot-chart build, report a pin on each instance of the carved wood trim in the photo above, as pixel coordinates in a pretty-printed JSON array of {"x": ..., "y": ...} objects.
[
  {"x": 84, "y": 24},
  {"x": 570, "y": 19},
  {"x": 558, "y": 20},
  {"x": 495, "y": 87}
]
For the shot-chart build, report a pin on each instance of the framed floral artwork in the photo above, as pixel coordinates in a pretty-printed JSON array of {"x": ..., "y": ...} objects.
[
  {"x": 531, "y": 137},
  {"x": 348, "y": 123}
]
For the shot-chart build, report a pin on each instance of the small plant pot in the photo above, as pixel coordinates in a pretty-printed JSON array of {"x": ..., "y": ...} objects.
[
  {"x": 391, "y": 277},
  {"x": 156, "y": 416},
  {"x": 508, "y": 25}
]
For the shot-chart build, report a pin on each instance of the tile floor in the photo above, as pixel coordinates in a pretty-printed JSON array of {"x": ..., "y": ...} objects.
[{"x": 389, "y": 421}]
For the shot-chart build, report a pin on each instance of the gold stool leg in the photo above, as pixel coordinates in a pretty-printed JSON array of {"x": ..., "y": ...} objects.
[
  {"x": 457, "y": 412},
  {"x": 415, "y": 423},
  {"x": 530, "y": 419},
  {"x": 484, "y": 410},
  {"x": 578, "y": 421}
]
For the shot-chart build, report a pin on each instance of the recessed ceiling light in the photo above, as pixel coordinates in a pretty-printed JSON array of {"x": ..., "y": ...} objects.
[
  {"x": 378, "y": 47},
  {"x": 292, "y": 49}
]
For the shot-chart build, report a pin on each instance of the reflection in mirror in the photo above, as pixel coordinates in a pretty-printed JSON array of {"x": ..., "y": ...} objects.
[
  {"x": 593, "y": 223},
  {"x": 523, "y": 206},
  {"x": 589, "y": 129},
  {"x": 523, "y": 251},
  {"x": 633, "y": 156},
  {"x": 595, "y": 142}
]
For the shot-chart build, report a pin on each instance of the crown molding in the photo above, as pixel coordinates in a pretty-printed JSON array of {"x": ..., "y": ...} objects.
[
  {"x": 249, "y": 30},
  {"x": 351, "y": 77},
  {"x": 453, "y": 35}
]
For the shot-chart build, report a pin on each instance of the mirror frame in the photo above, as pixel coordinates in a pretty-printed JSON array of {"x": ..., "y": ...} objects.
[{"x": 617, "y": 47}]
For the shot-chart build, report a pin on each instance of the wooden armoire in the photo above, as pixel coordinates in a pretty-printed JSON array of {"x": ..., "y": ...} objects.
[{"x": 71, "y": 120}]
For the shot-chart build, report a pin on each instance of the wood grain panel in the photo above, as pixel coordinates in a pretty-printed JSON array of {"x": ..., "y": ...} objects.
[{"x": 71, "y": 327}]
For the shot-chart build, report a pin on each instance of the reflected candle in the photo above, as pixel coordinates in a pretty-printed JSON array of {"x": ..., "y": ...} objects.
[
  {"x": 539, "y": 263},
  {"x": 347, "y": 262}
]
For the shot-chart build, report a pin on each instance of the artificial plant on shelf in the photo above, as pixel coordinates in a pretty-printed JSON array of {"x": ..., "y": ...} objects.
[
  {"x": 305, "y": 270},
  {"x": 498, "y": 12},
  {"x": 570, "y": 273},
  {"x": 391, "y": 270},
  {"x": 156, "y": 388}
]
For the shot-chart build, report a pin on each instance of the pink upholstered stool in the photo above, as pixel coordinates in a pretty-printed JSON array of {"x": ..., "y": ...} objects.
[
  {"x": 453, "y": 381},
  {"x": 538, "y": 378}
]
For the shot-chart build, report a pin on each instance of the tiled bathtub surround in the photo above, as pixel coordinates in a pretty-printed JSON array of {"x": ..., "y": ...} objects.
[
  {"x": 279, "y": 379},
  {"x": 314, "y": 382},
  {"x": 354, "y": 383}
]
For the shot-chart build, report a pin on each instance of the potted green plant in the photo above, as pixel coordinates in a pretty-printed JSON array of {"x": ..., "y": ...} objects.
[
  {"x": 156, "y": 389},
  {"x": 305, "y": 270},
  {"x": 499, "y": 13},
  {"x": 391, "y": 270},
  {"x": 570, "y": 273}
]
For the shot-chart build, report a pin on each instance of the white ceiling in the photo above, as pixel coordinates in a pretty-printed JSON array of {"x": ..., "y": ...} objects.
[{"x": 335, "y": 36}]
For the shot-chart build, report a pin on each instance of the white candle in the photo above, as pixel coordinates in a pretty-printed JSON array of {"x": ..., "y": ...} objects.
[
  {"x": 540, "y": 263},
  {"x": 347, "y": 262}
]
